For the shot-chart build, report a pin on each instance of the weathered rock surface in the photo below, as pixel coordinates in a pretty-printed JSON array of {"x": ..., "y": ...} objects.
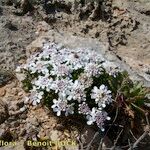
[{"x": 16, "y": 34}]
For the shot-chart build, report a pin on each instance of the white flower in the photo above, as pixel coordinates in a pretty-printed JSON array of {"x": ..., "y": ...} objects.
[
  {"x": 43, "y": 82},
  {"x": 69, "y": 109},
  {"x": 94, "y": 57},
  {"x": 41, "y": 66},
  {"x": 100, "y": 118},
  {"x": 61, "y": 105},
  {"x": 111, "y": 68},
  {"x": 102, "y": 96},
  {"x": 35, "y": 97},
  {"x": 83, "y": 108},
  {"x": 69, "y": 75},
  {"x": 57, "y": 58},
  {"x": 32, "y": 67},
  {"x": 97, "y": 116},
  {"x": 77, "y": 92},
  {"x": 61, "y": 85},
  {"x": 93, "y": 69},
  {"x": 85, "y": 80},
  {"x": 91, "y": 116},
  {"x": 74, "y": 61},
  {"x": 60, "y": 70}
]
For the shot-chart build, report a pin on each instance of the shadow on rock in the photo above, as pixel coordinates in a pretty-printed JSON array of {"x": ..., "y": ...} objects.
[{"x": 1, "y": 11}]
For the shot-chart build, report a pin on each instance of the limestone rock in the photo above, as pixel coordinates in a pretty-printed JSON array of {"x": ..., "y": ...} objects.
[
  {"x": 2, "y": 92},
  {"x": 54, "y": 135}
]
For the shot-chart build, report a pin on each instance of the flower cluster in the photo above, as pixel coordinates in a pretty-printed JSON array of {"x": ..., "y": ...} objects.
[{"x": 75, "y": 77}]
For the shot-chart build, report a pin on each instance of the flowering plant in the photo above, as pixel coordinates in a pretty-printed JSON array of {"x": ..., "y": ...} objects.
[{"x": 76, "y": 81}]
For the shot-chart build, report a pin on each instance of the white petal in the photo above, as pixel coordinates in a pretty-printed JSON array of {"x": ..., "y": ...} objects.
[
  {"x": 55, "y": 109},
  {"x": 53, "y": 106},
  {"x": 69, "y": 97},
  {"x": 89, "y": 122},
  {"x": 34, "y": 103},
  {"x": 26, "y": 99},
  {"x": 102, "y": 87},
  {"x": 95, "y": 89},
  {"x": 108, "y": 118},
  {"x": 18, "y": 69},
  {"x": 39, "y": 97},
  {"x": 102, "y": 129},
  {"x": 66, "y": 113},
  {"x": 103, "y": 105},
  {"x": 38, "y": 100},
  {"x": 55, "y": 101},
  {"x": 58, "y": 113}
]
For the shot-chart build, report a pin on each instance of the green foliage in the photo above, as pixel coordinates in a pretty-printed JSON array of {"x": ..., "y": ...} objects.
[{"x": 75, "y": 74}]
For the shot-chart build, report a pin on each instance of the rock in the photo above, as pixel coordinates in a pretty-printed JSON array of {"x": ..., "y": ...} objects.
[
  {"x": 15, "y": 124},
  {"x": 54, "y": 135},
  {"x": 23, "y": 116},
  {"x": 9, "y": 25},
  {"x": 9, "y": 2},
  {"x": 1, "y": 11},
  {"x": 2, "y": 92},
  {"x": 1, "y": 133},
  {"x": 33, "y": 122},
  {"x": 22, "y": 132},
  {"x": 22, "y": 109},
  {"x": 118, "y": 4},
  {"x": 5, "y": 135},
  {"x": 65, "y": 39},
  {"x": 20, "y": 104},
  {"x": 20, "y": 76},
  {"x": 3, "y": 111},
  {"x": 13, "y": 105},
  {"x": 35, "y": 46},
  {"x": 11, "y": 119},
  {"x": 4, "y": 77},
  {"x": 14, "y": 91},
  {"x": 42, "y": 27},
  {"x": 88, "y": 135}
]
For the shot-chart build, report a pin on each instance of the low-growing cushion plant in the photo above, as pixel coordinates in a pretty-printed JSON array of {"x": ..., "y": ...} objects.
[{"x": 80, "y": 82}]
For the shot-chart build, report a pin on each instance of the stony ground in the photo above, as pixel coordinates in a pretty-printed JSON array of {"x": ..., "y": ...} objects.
[{"x": 122, "y": 26}]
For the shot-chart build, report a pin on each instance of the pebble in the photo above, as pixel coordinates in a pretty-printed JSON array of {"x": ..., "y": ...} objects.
[
  {"x": 20, "y": 104},
  {"x": 1, "y": 132},
  {"x": 66, "y": 133},
  {"x": 4, "y": 78},
  {"x": 22, "y": 109},
  {"x": 22, "y": 132},
  {"x": 20, "y": 93},
  {"x": 33, "y": 121},
  {"x": 41, "y": 135},
  {"x": 14, "y": 91},
  {"x": 15, "y": 124},
  {"x": 11, "y": 118},
  {"x": 54, "y": 135},
  {"x": 26, "y": 100},
  {"x": 2, "y": 92},
  {"x": 23, "y": 116}
]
